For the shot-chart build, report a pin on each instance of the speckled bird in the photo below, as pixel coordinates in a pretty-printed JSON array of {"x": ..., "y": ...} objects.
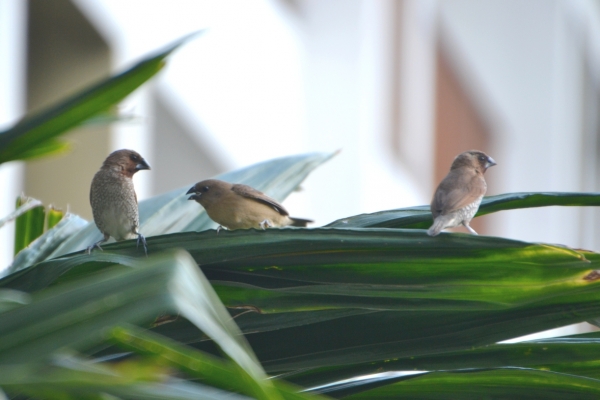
[
  {"x": 237, "y": 206},
  {"x": 459, "y": 195},
  {"x": 113, "y": 198}
]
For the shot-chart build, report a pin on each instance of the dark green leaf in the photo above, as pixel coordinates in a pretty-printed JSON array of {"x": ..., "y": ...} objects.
[
  {"x": 222, "y": 374},
  {"x": 419, "y": 217},
  {"x": 509, "y": 383},
  {"x": 320, "y": 288},
  {"x": 576, "y": 355}
]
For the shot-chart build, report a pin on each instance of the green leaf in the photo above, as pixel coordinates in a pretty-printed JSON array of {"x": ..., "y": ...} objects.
[
  {"x": 419, "y": 217},
  {"x": 45, "y": 148},
  {"x": 320, "y": 288},
  {"x": 35, "y": 134},
  {"x": 47, "y": 243},
  {"x": 576, "y": 355},
  {"x": 68, "y": 377},
  {"x": 509, "y": 383},
  {"x": 172, "y": 212},
  {"x": 29, "y": 225},
  {"x": 53, "y": 217},
  {"x": 221, "y": 374},
  {"x": 78, "y": 315}
]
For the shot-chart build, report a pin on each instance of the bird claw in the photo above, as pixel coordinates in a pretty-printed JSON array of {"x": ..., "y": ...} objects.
[
  {"x": 265, "y": 224},
  {"x": 219, "y": 228},
  {"x": 89, "y": 249},
  {"x": 142, "y": 239}
]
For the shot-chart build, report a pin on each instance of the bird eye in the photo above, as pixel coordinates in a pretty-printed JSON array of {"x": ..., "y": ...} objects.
[
  {"x": 482, "y": 158},
  {"x": 204, "y": 189},
  {"x": 134, "y": 158}
]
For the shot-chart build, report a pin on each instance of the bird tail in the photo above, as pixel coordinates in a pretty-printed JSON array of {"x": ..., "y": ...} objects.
[
  {"x": 438, "y": 225},
  {"x": 300, "y": 222}
]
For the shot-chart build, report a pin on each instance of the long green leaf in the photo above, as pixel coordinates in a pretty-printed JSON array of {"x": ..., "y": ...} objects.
[
  {"x": 320, "y": 288},
  {"x": 419, "y": 217},
  {"x": 199, "y": 365},
  {"x": 576, "y": 355},
  {"x": 509, "y": 383},
  {"x": 174, "y": 278},
  {"x": 35, "y": 134},
  {"x": 77, "y": 315},
  {"x": 70, "y": 378}
]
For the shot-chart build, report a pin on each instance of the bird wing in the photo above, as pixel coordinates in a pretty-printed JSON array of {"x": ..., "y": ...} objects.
[
  {"x": 251, "y": 193},
  {"x": 459, "y": 188}
]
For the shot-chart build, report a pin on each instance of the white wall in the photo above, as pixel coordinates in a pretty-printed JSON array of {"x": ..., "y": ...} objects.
[
  {"x": 524, "y": 62},
  {"x": 12, "y": 104}
]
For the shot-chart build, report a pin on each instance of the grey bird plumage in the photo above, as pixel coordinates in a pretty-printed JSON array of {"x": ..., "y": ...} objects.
[{"x": 113, "y": 198}]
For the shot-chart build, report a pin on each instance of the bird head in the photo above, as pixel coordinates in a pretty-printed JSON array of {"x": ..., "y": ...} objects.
[
  {"x": 205, "y": 192},
  {"x": 474, "y": 159},
  {"x": 125, "y": 161}
]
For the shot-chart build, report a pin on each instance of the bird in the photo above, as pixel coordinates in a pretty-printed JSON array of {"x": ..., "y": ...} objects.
[
  {"x": 457, "y": 198},
  {"x": 238, "y": 206},
  {"x": 113, "y": 198}
]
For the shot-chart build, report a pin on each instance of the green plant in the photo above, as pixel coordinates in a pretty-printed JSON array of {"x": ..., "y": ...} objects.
[{"x": 336, "y": 310}]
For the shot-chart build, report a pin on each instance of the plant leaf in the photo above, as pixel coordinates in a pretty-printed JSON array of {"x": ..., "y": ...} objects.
[
  {"x": 488, "y": 384},
  {"x": 29, "y": 225},
  {"x": 70, "y": 378},
  {"x": 45, "y": 148},
  {"x": 320, "y": 288},
  {"x": 54, "y": 216},
  {"x": 40, "y": 129},
  {"x": 419, "y": 217},
  {"x": 576, "y": 355},
  {"x": 77, "y": 315},
  {"x": 221, "y": 374},
  {"x": 39, "y": 249}
]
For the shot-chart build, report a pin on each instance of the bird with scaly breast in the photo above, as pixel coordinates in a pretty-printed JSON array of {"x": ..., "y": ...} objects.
[
  {"x": 238, "y": 206},
  {"x": 113, "y": 199},
  {"x": 458, "y": 196}
]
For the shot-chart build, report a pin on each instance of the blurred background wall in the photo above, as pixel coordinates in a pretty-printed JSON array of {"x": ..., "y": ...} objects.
[{"x": 400, "y": 86}]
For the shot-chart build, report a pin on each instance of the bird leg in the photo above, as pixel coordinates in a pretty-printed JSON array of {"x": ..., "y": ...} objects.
[
  {"x": 265, "y": 224},
  {"x": 141, "y": 238},
  {"x": 466, "y": 224},
  {"x": 89, "y": 249}
]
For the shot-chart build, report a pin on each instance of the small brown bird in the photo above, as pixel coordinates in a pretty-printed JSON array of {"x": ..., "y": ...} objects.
[
  {"x": 237, "y": 206},
  {"x": 457, "y": 198},
  {"x": 113, "y": 198}
]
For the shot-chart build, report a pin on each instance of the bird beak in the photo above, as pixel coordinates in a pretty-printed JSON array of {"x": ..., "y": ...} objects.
[
  {"x": 490, "y": 162},
  {"x": 194, "y": 195},
  {"x": 142, "y": 165}
]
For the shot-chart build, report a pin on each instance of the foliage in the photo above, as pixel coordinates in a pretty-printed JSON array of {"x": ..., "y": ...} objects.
[{"x": 366, "y": 307}]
